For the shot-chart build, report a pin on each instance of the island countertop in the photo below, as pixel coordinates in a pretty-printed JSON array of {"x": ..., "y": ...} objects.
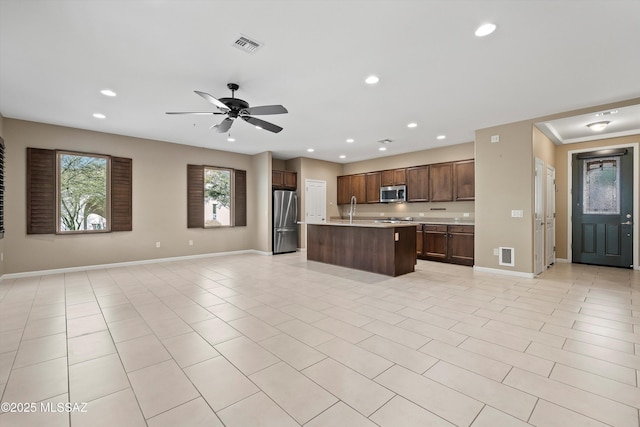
[{"x": 345, "y": 222}]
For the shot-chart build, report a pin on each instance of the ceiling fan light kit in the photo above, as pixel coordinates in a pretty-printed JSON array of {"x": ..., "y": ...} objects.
[
  {"x": 598, "y": 126},
  {"x": 235, "y": 107}
]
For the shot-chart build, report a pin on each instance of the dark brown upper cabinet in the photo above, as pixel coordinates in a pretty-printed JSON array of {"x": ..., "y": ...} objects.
[
  {"x": 441, "y": 182},
  {"x": 352, "y": 185},
  {"x": 373, "y": 187},
  {"x": 284, "y": 180},
  {"x": 418, "y": 184},
  {"x": 393, "y": 177},
  {"x": 464, "y": 180}
]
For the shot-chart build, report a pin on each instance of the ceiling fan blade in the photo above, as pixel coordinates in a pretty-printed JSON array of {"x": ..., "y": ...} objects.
[
  {"x": 262, "y": 124},
  {"x": 224, "y": 125},
  {"x": 200, "y": 113},
  {"x": 264, "y": 110},
  {"x": 213, "y": 100}
]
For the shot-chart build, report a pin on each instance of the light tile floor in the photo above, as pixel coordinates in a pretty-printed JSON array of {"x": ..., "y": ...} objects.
[{"x": 250, "y": 340}]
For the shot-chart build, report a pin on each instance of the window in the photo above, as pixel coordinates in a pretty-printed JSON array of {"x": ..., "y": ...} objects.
[
  {"x": 216, "y": 197},
  {"x": 77, "y": 192},
  {"x": 83, "y": 189}
]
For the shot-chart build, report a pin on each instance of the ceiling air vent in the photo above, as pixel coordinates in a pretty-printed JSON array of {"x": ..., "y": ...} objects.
[{"x": 246, "y": 44}]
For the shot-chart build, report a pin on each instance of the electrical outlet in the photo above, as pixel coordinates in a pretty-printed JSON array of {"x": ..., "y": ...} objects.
[
  {"x": 421, "y": 214},
  {"x": 190, "y": 242},
  {"x": 381, "y": 213},
  {"x": 465, "y": 214},
  {"x": 495, "y": 138},
  {"x": 157, "y": 244},
  {"x": 496, "y": 251}
]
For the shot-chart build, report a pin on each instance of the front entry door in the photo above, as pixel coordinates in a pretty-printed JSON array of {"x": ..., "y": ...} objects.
[{"x": 602, "y": 198}]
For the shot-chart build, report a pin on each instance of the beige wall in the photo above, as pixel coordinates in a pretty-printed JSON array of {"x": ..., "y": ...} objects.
[
  {"x": 317, "y": 170},
  {"x": 417, "y": 158},
  {"x": 563, "y": 182},
  {"x": 159, "y": 201},
  {"x": 504, "y": 182},
  {"x": 2, "y": 251},
  {"x": 545, "y": 150},
  {"x": 261, "y": 213},
  {"x": 278, "y": 164}
]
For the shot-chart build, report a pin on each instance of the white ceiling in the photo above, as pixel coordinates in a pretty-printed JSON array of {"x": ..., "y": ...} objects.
[
  {"x": 622, "y": 121},
  {"x": 545, "y": 57}
]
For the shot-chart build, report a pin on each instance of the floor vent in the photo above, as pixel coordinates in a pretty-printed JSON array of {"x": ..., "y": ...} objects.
[
  {"x": 506, "y": 256},
  {"x": 246, "y": 44}
]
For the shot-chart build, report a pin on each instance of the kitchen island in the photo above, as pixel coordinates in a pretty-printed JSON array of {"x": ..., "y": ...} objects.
[{"x": 381, "y": 248}]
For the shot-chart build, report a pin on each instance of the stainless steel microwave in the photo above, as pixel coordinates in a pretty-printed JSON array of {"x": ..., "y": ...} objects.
[{"x": 394, "y": 193}]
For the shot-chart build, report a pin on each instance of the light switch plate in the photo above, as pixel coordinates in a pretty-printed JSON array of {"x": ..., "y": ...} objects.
[
  {"x": 517, "y": 213},
  {"x": 495, "y": 138}
]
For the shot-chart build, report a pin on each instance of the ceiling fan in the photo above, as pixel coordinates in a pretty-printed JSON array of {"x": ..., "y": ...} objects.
[{"x": 234, "y": 107}]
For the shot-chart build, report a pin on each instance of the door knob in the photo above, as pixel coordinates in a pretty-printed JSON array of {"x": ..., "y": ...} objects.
[{"x": 626, "y": 223}]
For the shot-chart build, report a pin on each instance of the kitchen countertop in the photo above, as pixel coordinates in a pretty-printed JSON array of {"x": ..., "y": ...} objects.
[{"x": 371, "y": 222}]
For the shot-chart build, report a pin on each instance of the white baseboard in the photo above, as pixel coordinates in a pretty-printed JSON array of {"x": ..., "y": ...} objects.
[
  {"x": 563, "y": 261},
  {"x": 127, "y": 264},
  {"x": 503, "y": 272}
]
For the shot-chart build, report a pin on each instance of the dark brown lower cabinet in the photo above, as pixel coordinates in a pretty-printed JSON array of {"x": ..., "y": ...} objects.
[
  {"x": 435, "y": 242},
  {"x": 446, "y": 243}
]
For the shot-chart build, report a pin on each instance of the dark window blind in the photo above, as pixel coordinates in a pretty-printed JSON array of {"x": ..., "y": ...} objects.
[
  {"x": 121, "y": 194},
  {"x": 41, "y": 192},
  {"x": 195, "y": 197}
]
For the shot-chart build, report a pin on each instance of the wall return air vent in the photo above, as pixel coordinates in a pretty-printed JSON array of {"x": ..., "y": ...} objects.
[
  {"x": 506, "y": 256},
  {"x": 246, "y": 44}
]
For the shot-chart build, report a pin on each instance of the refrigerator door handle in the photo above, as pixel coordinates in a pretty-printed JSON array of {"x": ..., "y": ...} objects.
[{"x": 295, "y": 203}]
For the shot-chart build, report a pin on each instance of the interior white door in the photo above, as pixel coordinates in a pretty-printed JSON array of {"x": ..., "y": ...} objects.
[
  {"x": 538, "y": 218},
  {"x": 550, "y": 220},
  {"x": 315, "y": 201}
]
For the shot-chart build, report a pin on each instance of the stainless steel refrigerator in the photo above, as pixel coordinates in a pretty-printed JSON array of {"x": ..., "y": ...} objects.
[{"x": 285, "y": 229}]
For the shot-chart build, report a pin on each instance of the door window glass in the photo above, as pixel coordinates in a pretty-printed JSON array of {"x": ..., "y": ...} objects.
[{"x": 601, "y": 186}]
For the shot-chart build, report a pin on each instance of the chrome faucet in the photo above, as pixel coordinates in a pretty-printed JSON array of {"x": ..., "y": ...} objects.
[{"x": 352, "y": 208}]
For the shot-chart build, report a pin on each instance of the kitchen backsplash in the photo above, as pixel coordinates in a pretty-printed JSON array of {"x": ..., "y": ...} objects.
[{"x": 415, "y": 210}]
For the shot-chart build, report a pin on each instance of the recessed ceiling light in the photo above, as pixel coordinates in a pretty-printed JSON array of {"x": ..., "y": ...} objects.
[
  {"x": 350, "y": 140},
  {"x": 371, "y": 80},
  {"x": 99, "y": 116},
  {"x": 412, "y": 125},
  {"x": 107, "y": 92},
  {"x": 231, "y": 139},
  {"x": 310, "y": 150},
  {"x": 485, "y": 30},
  {"x": 258, "y": 127},
  {"x": 441, "y": 136},
  {"x": 382, "y": 148},
  {"x": 598, "y": 126},
  {"x": 342, "y": 156}
]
